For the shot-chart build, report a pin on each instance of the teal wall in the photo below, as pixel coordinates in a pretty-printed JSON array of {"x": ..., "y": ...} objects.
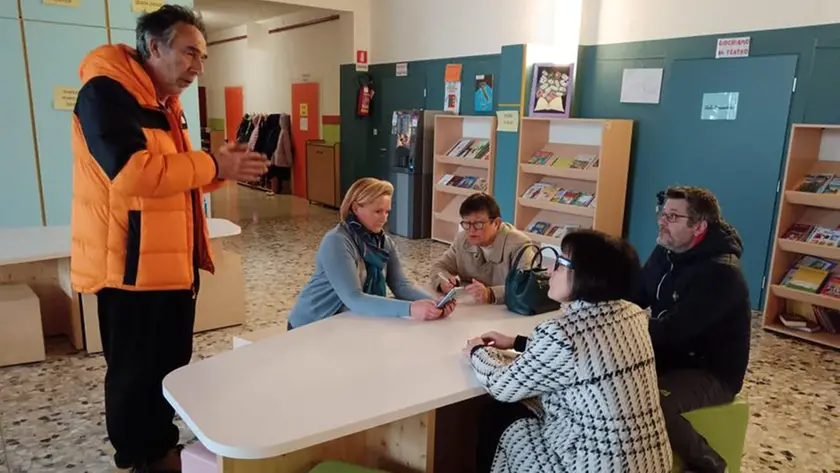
[
  {"x": 816, "y": 100},
  {"x": 56, "y": 40},
  {"x": 360, "y": 149},
  {"x": 507, "y": 143}
]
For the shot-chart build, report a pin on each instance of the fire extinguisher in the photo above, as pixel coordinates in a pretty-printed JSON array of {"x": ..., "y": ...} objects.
[{"x": 366, "y": 93}]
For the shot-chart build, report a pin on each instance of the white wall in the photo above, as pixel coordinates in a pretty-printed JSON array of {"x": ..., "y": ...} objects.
[
  {"x": 410, "y": 30},
  {"x": 622, "y": 21},
  {"x": 266, "y": 69}
]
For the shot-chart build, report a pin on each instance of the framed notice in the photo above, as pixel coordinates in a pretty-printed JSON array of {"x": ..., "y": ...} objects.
[
  {"x": 64, "y": 97},
  {"x": 146, "y": 6}
]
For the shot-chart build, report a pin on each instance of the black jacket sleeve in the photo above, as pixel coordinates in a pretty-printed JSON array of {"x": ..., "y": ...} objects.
[
  {"x": 712, "y": 291},
  {"x": 640, "y": 296}
]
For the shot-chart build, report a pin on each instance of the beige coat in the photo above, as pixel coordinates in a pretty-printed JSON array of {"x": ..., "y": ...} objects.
[{"x": 469, "y": 262}]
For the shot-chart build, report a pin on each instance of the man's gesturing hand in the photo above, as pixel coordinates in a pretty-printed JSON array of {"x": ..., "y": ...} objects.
[{"x": 236, "y": 163}]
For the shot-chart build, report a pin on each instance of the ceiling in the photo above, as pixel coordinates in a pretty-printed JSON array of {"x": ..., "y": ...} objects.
[{"x": 221, "y": 14}]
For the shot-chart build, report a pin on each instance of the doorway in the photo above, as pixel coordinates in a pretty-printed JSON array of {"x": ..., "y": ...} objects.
[{"x": 738, "y": 159}]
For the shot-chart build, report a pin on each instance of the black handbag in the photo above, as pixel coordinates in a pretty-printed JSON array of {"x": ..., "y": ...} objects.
[{"x": 526, "y": 289}]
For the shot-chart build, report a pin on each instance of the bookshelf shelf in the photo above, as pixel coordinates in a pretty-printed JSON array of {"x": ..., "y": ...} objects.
[
  {"x": 806, "y": 297},
  {"x": 558, "y": 208},
  {"x": 454, "y": 190},
  {"x": 826, "y": 201},
  {"x": 447, "y": 199},
  {"x": 588, "y": 159},
  {"x": 803, "y": 248},
  {"x": 543, "y": 170},
  {"x": 466, "y": 162},
  {"x": 822, "y": 338},
  {"x": 813, "y": 149}
]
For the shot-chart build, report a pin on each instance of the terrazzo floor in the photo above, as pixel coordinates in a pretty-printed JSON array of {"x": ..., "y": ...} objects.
[{"x": 52, "y": 413}]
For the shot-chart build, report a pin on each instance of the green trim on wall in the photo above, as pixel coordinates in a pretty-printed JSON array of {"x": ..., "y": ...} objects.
[{"x": 331, "y": 133}]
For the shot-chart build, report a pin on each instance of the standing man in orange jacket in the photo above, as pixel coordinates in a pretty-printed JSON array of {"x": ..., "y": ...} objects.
[{"x": 138, "y": 226}]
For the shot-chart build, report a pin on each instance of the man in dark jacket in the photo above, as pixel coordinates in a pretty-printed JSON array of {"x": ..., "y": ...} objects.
[{"x": 700, "y": 315}]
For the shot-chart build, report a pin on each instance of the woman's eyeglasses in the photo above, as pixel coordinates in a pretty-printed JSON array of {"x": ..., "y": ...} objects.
[
  {"x": 565, "y": 262},
  {"x": 479, "y": 225}
]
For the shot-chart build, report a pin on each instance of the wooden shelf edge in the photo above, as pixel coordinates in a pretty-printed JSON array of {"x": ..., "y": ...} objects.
[
  {"x": 446, "y": 189},
  {"x": 826, "y": 201},
  {"x": 537, "y": 238},
  {"x": 806, "y": 297},
  {"x": 576, "y": 174},
  {"x": 466, "y": 162},
  {"x": 555, "y": 207},
  {"x": 811, "y": 249},
  {"x": 823, "y": 338}
]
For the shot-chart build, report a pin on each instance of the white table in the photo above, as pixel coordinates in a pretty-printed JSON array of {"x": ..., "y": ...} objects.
[
  {"x": 368, "y": 390},
  {"x": 40, "y": 258}
]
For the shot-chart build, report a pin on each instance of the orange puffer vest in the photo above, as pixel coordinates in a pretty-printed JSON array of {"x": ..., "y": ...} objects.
[{"x": 137, "y": 219}]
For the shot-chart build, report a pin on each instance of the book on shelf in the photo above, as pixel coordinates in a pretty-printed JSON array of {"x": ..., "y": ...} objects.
[
  {"x": 559, "y": 195},
  {"x": 470, "y": 148},
  {"x": 579, "y": 162},
  {"x": 817, "y": 235},
  {"x": 822, "y": 183},
  {"x": 809, "y": 274},
  {"x": 478, "y": 184},
  {"x": 797, "y": 322},
  {"x": 828, "y": 319},
  {"x": 551, "y": 230}
]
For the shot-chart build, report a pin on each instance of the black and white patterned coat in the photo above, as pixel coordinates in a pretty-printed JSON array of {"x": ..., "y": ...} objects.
[{"x": 590, "y": 377}]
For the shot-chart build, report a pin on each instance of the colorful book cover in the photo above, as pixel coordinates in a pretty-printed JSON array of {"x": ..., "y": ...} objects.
[
  {"x": 832, "y": 287},
  {"x": 799, "y": 232},
  {"x": 815, "y": 182},
  {"x": 824, "y": 236}
]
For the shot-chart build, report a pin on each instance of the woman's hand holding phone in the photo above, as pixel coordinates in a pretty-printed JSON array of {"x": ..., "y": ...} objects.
[{"x": 428, "y": 309}]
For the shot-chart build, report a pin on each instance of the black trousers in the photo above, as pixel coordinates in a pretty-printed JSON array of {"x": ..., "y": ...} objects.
[
  {"x": 495, "y": 420},
  {"x": 683, "y": 391},
  {"x": 145, "y": 336}
]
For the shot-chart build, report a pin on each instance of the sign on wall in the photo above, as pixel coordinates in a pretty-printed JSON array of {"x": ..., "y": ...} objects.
[
  {"x": 402, "y": 69},
  {"x": 733, "y": 47},
  {"x": 146, "y": 6},
  {"x": 63, "y": 3},
  {"x": 720, "y": 106},
  {"x": 64, "y": 97},
  {"x": 507, "y": 120},
  {"x": 641, "y": 85},
  {"x": 361, "y": 60}
]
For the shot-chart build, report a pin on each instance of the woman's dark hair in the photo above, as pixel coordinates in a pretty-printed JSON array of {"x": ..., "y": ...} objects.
[
  {"x": 480, "y": 202},
  {"x": 605, "y": 268}
]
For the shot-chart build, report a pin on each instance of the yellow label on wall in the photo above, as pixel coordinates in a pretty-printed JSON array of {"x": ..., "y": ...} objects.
[
  {"x": 145, "y": 6},
  {"x": 304, "y": 110},
  {"x": 507, "y": 120},
  {"x": 64, "y": 3},
  {"x": 64, "y": 97}
]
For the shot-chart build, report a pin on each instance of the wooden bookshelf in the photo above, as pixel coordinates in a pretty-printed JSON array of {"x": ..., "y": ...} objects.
[
  {"x": 446, "y": 199},
  {"x": 609, "y": 140},
  {"x": 813, "y": 149}
]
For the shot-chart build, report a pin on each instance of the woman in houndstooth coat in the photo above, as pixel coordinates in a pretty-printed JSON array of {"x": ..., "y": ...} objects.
[{"x": 581, "y": 395}]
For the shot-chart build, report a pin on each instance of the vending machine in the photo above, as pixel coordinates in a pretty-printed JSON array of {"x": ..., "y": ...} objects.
[{"x": 411, "y": 156}]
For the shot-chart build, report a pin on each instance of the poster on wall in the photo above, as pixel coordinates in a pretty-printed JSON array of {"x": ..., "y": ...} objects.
[
  {"x": 484, "y": 93},
  {"x": 551, "y": 90},
  {"x": 452, "y": 97},
  {"x": 641, "y": 85}
]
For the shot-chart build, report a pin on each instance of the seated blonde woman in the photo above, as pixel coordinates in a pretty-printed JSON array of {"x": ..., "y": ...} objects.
[
  {"x": 357, "y": 261},
  {"x": 582, "y": 393}
]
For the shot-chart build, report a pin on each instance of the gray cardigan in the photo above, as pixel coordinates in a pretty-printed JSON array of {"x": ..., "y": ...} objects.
[{"x": 336, "y": 284}]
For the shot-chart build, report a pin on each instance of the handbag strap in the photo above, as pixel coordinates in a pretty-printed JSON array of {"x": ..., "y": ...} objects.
[
  {"x": 515, "y": 262},
  {"x": 556, "y": 256}
]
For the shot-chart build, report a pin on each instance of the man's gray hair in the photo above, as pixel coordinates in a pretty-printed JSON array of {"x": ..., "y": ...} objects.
[{"x": 160, "y": 25}]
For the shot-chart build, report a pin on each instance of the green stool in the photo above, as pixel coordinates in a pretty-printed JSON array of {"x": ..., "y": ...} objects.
[
  {"x": 725, "y": 429},
  {"x": 339, "y": 467}
]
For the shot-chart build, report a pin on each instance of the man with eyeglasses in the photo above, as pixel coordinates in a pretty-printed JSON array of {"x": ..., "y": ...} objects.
[
  {"x": 479, "y": 258},
  {"x": 700, "y": 316}
]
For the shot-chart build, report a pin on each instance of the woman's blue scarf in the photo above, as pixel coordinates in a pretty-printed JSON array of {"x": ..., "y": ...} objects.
[{"x": 372, "y": 247}]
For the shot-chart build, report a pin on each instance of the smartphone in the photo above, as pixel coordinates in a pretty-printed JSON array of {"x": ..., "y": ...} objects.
[{"x": 448, "y": 297}]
